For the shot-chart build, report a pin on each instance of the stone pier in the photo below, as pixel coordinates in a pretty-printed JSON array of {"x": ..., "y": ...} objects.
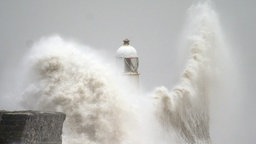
[{"x": 31, "y": 127}]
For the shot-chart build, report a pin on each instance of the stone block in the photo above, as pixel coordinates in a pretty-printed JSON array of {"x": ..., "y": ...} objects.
[{"x": 31, "y": 127}]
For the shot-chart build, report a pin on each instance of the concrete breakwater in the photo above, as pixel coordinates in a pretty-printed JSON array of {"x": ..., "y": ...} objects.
[{"x": 31, "y": 127}]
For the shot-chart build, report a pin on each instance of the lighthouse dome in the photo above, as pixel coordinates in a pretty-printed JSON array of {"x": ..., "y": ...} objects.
[{"x": 126, "y": 50}]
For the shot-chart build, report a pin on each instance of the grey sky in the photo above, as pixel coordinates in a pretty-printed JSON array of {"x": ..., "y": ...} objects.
[{"x": 154, "y": 28}]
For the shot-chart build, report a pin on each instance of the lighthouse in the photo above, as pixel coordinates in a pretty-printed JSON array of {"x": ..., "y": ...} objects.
[{"x": 128, "y": 61}]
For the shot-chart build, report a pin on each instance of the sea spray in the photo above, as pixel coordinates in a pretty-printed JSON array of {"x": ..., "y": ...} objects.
[
  {"x": 67, "y": 77},
  {"x": 184, "y": 110}
]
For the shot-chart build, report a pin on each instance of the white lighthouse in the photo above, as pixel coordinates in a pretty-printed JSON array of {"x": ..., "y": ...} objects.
[{"x": 127, "y": 59}]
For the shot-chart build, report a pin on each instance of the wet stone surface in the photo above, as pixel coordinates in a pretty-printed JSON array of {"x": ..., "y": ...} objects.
[{"x": 31, "y": 127}]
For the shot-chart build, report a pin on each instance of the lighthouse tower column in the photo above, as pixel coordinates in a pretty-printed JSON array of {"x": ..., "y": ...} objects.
[{"x": 128, "y": 60}]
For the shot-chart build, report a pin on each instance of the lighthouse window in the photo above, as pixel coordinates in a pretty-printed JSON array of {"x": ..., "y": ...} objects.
[{"x": 131, "y": 64}]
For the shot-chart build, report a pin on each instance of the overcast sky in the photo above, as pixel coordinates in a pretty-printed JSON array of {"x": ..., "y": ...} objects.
[{"x": 154, "y": 28}]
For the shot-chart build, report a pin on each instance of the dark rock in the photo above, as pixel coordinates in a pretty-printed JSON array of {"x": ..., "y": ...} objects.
[{"x": 31, "y": 127}]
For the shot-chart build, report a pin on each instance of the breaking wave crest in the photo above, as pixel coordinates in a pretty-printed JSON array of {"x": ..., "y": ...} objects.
[
  {"x": 67, "y": 77},
  {"x": 184, "y": 109}
]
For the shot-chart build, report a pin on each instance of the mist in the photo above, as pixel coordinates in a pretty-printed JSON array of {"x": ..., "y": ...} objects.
[{"x": 103, "y": 28}]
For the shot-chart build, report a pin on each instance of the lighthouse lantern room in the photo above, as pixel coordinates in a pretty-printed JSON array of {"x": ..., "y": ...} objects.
[{"x": 128, "y": 60}]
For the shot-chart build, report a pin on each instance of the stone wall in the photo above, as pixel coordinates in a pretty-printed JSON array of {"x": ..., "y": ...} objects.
[{"x": 31, "y": 127}]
